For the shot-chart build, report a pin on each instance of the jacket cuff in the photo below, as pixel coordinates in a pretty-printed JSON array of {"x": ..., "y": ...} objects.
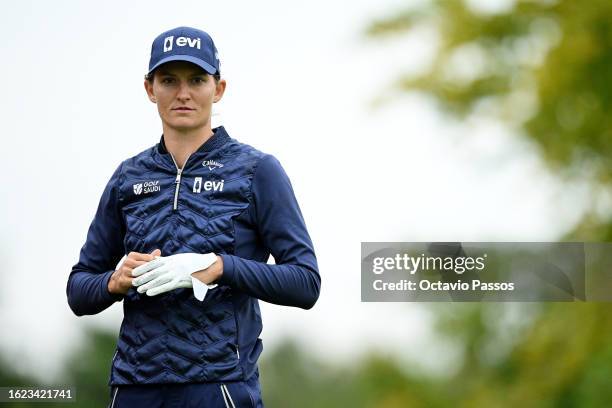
[
  {"x": 228, "y": 270},
  {"x": 111, "y": 297}
]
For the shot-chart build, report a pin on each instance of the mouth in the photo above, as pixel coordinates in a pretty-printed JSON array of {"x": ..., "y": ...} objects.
[{"x": 183, "y": 109}]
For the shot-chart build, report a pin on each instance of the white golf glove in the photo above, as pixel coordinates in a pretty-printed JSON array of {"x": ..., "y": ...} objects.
[{"x": 166, "y": 273}]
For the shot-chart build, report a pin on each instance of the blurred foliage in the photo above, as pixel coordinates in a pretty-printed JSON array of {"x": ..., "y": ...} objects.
[
  {"x": 87, "y": 370},
  {"x": 290, "y": 378},
  {"x": 542, "y": 67},
  {"x": 542, "y": 370}
]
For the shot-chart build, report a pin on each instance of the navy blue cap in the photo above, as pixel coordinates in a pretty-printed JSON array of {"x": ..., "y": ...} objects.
[{"x": 185, "y": 44}]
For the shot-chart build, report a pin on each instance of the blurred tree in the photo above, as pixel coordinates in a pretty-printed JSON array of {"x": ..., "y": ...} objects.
[
  {"x": 87, "y": 371},
  {"x": 292, "y": 378},
  {"x": 10, "y": 378},
  {"x": 543, "y": 68}
]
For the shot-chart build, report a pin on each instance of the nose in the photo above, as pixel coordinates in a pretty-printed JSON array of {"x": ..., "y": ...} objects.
[{"x": 183, "y": 91}]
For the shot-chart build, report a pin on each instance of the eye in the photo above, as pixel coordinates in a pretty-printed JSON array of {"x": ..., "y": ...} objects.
[
  {"x": 198, "y": 80},
  {"x": 167, "y": 80}
]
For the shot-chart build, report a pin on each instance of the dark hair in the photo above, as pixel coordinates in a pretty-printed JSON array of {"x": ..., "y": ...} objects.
[{"x": 149, "y": 77}]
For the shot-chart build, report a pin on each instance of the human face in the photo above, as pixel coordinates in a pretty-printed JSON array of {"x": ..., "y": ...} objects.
[{"x": 184, "y": 94}]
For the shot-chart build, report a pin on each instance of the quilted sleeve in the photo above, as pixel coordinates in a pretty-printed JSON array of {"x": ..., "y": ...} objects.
[{"x": 294, "y": 280}]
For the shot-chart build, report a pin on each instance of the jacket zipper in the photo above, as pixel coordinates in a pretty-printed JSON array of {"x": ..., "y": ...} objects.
[
  {"x": 227, "y": 398},
  {"x": 177, "y": 181}
]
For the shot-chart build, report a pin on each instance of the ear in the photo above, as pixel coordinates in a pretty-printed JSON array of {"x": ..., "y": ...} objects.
[
  {"x": 219, "y": 90},
  {"x": 150, "y": 93}
]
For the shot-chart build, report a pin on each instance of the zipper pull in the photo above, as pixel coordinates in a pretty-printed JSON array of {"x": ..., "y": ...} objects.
[{"x": 178, "y": 177}]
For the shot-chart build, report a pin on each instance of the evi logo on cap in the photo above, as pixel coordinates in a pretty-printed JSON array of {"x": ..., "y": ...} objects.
[
  {"x": 181, "y": 42},
  {"x": 185, "y": 44}
]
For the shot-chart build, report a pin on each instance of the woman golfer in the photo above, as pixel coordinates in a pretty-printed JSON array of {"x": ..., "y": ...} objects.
[{"x": 193, "y": 221}]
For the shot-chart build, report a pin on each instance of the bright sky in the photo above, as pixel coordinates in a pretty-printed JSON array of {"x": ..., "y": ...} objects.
[{"x": 301, "y": 81}]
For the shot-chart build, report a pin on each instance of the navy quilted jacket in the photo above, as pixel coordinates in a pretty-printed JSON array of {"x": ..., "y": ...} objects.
[{"x": 230, "y": 199}]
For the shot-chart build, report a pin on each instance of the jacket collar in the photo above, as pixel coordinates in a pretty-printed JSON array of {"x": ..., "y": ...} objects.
[{"x": 218, "y": 139}]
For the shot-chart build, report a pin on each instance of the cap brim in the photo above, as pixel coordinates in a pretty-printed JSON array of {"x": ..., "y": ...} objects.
[{"x": 201, "y": 63}]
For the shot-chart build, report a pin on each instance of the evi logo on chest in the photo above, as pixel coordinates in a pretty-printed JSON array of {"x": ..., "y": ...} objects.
[{"x": 208, "y": 185}]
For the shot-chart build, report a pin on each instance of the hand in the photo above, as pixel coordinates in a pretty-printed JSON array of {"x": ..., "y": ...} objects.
[
  {"x": 163, "y": 274},
  {"x": 121, "y": 280}
]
